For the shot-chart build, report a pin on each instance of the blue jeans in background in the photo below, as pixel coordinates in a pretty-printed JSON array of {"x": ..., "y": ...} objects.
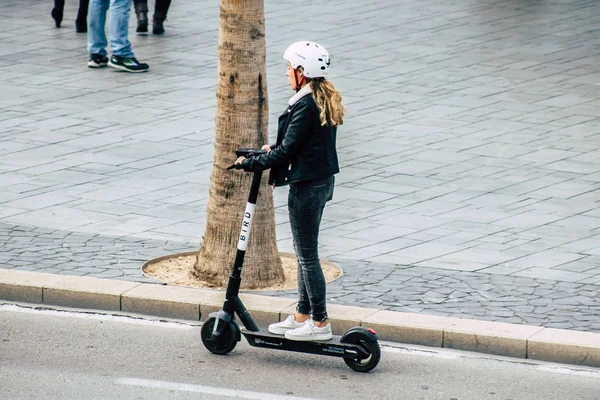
[
  {"x": 118, "y": 29},
  {"x": 306, "y": 201}
]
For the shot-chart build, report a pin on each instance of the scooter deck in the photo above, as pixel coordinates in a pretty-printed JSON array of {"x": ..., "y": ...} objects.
[{"x": 333, "y": 347}]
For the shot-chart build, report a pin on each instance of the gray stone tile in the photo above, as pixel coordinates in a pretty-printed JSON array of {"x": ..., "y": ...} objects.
[
  {"x": 547, "y": 273},
  {"x": 39, "y": 201},
  {"x": 450, "y": 263},
  {"x": 547, "y": 155},
  {"x": 591, "y": 279},
  {"x": 574, "y": 166}
]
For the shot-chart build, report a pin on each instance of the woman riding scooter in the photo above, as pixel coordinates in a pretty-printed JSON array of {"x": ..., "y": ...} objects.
[{"x": 305, "y": 157}]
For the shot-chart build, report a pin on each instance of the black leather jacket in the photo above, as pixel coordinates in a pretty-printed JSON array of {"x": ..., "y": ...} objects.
[{"x": 304, "y": 150}]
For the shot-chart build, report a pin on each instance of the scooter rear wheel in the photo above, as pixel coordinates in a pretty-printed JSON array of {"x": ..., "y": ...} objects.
[
  {"x": 225, "y": 342},
  {"x": 371, "y": 347}
]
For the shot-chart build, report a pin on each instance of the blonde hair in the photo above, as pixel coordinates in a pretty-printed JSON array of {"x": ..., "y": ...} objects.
[{"x": 329, "y": 102}]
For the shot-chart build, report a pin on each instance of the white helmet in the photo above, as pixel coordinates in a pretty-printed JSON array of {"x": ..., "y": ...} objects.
[{"x": 311, "y": 56}]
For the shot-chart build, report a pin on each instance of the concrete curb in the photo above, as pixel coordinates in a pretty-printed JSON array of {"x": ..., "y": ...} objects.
[{"x": 521, "y": 341}]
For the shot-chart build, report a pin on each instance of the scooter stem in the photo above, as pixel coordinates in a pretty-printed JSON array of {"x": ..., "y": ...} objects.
[
  {"x": 232, "y": 302},
  {"x": 246, "y": 227}
]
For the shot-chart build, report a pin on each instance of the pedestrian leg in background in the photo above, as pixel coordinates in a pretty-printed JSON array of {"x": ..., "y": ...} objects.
[
  {"x": 141, "y": 11},
  {"x": 161, "y": 8},
  {"x": 81, "y": 21},
  {"x": 57, "y": 12},
  {"x": 96, "y": 37},
  {"x": 122, "y": 54}
]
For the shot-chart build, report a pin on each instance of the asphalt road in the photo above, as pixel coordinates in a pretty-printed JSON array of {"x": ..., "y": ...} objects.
[{"x": 59, "y": 355}]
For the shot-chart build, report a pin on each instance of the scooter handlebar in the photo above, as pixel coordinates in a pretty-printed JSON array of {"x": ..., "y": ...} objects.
[
  {"x": 245, "y": 152},
  {"x": 249, "y": 152},
  {"x": 234, "y": 166}
]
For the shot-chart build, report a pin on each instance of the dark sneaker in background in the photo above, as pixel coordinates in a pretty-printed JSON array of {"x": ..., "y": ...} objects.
[
  {"x": 127, "y": 64},
  {"x": 97, "y": 61}
]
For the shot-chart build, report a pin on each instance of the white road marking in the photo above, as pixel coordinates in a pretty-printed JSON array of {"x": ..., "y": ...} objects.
[
  {"x": 184, "y": 387},
  {"x": 540, "y": 365},
  {"x": 435, "y": 353},
  {"x": 95, "y": 316},
  {"x": 586, "y": 373}
]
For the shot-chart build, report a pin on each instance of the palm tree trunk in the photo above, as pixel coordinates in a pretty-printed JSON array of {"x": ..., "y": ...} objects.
[{"x": 241, "y": 121}]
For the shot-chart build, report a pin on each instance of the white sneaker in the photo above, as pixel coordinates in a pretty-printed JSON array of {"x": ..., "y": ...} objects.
[
  {"x": 280, "y": 328},
  {"x": 309, "y": 332}
]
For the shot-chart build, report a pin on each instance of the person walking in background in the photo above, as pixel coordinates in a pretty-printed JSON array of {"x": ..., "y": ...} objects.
[
  {"x": 161, "y": 7},
  {"x": 80, "y": 21},
  {"x": 122, "y": 57}
]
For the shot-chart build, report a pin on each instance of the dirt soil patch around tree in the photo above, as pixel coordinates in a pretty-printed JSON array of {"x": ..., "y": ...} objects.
[{"x": 175, "y": 270}]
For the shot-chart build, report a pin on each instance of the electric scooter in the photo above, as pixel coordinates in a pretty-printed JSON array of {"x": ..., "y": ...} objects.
[{"x": 220, "y": 333}]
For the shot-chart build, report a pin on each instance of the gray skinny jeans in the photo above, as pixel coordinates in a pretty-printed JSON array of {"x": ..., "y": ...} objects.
[{"x": 306, "y": 201}]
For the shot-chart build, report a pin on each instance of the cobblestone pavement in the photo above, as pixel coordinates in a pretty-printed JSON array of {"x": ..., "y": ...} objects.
[{"x": 470, "y": 155}]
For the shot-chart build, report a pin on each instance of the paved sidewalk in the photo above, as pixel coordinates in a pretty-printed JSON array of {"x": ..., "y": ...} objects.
[
  {"x": 470, "y": 181},
  {"x": 457, "y": 294}
]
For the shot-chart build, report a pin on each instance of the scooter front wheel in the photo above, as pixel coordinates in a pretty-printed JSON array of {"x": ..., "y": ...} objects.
[{"x": 222, "y": 343}]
